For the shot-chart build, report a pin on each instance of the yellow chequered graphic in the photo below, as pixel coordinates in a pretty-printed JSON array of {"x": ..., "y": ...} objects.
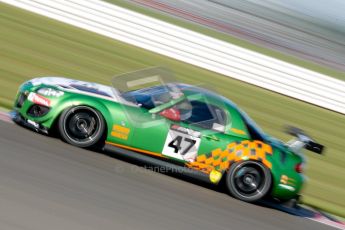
[{"x": 221, "y": 160}]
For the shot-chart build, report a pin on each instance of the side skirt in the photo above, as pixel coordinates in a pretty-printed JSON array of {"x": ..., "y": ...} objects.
[{"x": 161, "y": 165}]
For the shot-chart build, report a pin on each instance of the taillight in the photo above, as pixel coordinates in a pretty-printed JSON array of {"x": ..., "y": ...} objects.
[{"x": 299, "y": 168}]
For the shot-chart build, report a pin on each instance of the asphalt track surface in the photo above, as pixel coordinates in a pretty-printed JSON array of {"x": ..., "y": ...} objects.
[
  {"x": 265, "y": 24},
  {"x": 48, "y": 184}
]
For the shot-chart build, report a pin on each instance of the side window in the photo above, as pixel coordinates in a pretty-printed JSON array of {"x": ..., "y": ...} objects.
[{"x": 207, "y": 116}]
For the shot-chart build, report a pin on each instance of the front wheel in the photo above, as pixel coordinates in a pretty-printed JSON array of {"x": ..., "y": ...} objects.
[
  {"x": 82, "y": 126},
  {"x": 249, "y": 181}
]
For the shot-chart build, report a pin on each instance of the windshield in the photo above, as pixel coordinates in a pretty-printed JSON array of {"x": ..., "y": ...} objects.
[
  {"x": 155, "y": 89},
  {"x": 149, "y": 98},
  {"x": 193, "y": 108}
]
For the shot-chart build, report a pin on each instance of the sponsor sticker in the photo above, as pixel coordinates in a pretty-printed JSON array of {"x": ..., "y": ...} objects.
[
  {"x": 287, "y": 180},
  {"x": 120, "y": 132},
  {"x": 38, "y": 99},
  {"x": 288, "y": 187},
  {"x": 33, "y": 124},
  {"x": 186, "y": 131},
  {"x": 238, "y": 131}
]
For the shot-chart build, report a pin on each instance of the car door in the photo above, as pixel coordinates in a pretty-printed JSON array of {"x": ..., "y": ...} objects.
[
  {"x": 200, "y": 129},
  {"x": 150, "y": 131},
  {"x": 211, "y": 127},
  {"x": 202, "y": 132}
]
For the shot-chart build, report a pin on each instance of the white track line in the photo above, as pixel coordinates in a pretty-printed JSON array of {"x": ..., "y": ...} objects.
[
  {"x": 4, "y": 116},
  {"x": 326, "y": 221}
]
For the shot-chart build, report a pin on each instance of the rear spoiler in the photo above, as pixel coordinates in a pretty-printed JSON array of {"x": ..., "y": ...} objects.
[{"x": 302, "y": 140}]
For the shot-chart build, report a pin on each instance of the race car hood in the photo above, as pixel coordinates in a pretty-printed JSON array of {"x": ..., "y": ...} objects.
[{"x": 76, "y": 86}]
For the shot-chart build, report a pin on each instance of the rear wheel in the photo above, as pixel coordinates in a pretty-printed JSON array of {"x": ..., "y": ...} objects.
[
  {"x": 249, "y": 181},
  {"x": 82, "y": 126}
]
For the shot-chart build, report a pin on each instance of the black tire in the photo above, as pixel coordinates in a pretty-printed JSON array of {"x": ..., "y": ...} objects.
[
  {"x": 249, "y": 181},
  {"x": 82, "y": 126}
]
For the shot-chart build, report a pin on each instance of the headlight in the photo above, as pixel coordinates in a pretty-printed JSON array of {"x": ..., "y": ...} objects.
[{"x": 50, "y": 92}]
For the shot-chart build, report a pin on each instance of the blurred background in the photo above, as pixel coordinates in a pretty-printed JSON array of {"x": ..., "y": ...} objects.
[{"x": 306, "y": 33}]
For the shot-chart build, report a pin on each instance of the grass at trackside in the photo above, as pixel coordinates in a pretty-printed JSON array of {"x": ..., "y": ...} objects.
[
  {"x": 231, "y": 39},
  {"x": 33, "y": 45},
  {"x": 3, "y": 109}
]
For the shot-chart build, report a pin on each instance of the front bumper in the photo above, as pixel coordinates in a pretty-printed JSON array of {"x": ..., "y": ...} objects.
[
  {"x": 31, "y": 112},
  {"x": 19, "y": 119}
]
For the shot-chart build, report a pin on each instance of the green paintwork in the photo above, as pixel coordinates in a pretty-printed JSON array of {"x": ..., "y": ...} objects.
[{"x": 148, "y": 130}]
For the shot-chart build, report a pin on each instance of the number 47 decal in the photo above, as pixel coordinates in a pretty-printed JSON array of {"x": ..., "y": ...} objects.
[
  {"x": 182, "y": 143},
  {"x": 177, "y": 142}
]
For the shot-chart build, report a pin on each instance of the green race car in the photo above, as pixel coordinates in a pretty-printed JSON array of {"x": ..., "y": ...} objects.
[{"x": 174, "y": 124}]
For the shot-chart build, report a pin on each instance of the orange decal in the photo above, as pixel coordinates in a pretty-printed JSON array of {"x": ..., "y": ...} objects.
[
  {"x": 121, "y": 129},
  {"x": 216, "y": 152},
  {"x": 136, "y": 150},
  {"x": 120, "y": 132},
  {"x": 222, "y": 159},
  {"x": 119, "y": 135},
  {"x": 238, "y": 131}
]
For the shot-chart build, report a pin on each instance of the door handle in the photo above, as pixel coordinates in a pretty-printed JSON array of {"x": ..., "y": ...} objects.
[{"x": 211, "y": 137}]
